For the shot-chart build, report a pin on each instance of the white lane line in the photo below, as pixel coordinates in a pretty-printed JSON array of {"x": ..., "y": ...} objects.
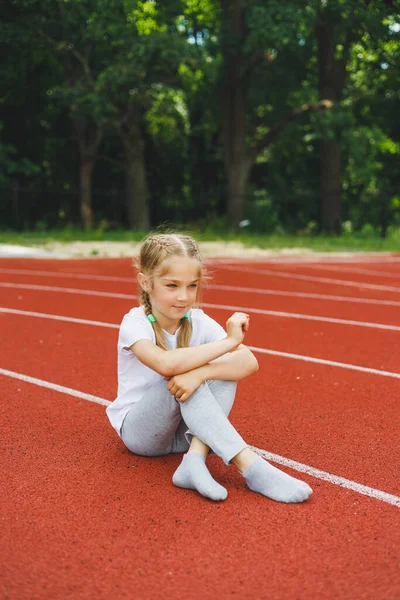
[
  {"x": 55, "y": 387},
  {"x": 259, "y": 311},
  {"x": 27, "y": 313},
  {"x": 277, "y": 313},
  {"x": 322, "y": 361},
  {"x": 48, "y": 288},
  {"x": 310, "y": 295},
  {"x": 341, "y": 269},
  {"x": 287, "y": 462},
  {"x": 335, "y": 479},
  {"x": 377, "y": 259},
  {"x": 230, "y": 288},
  {"x": 226, "y": 267},
  {"x": 68, "y": 275},
  {"x": 270, "y": 272},
  {"x": 253, "y": 348},
  {"x": 304, "y": 259}
]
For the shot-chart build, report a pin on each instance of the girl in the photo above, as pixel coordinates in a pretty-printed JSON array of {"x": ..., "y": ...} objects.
[{"x": 177, "y": 374}]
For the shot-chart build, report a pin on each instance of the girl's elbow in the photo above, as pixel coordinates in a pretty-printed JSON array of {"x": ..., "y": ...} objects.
[
  {"x": 166, "y": 371},
  {"x": 167, "y": 368},
  {"x": 163, "y": 367},
  {"x": 250, "y": 363},
  {"x": 254, "y": 365}
]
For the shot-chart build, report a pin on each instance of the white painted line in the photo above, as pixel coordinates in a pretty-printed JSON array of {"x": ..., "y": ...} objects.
[
  {"x": 55, "y": 387},
  {"x": 341, "y": 269},
  {"x": 27, "y": 313},
  {"x": 68, "y": 275},
  {"x": 322, "y": 361},
  {"x": 64, "y": 290},
  {"x": 287, "y": 462},
  {"x": 303, "y": 259},
  {"x": 335, "y": 479},
  {"x": 271, "y": 273},
  {"x": 377, "y": 259},
  {"x": 253, "y": 348},
  {"x": 310, "y": 295},
  {"x": 259, "y": 311},
  {"x": 228, "y": 267},
  {"x": 276, "y": 313},
  {"x": 230, "y": 288}
]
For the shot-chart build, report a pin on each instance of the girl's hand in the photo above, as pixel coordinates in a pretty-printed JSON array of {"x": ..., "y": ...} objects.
[
  {"x": 182, "y": 386},
  {"x": 237, "y": 325}
]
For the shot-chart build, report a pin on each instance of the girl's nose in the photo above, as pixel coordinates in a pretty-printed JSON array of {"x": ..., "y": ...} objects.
[{"x": 182, "y": 295}]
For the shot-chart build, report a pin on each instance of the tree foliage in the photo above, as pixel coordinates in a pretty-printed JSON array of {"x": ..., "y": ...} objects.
[{"x": 138, "y": 112}]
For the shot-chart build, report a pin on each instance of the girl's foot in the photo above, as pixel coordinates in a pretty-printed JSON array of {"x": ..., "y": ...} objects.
[
  {"x": 269, "y": 481},
  {"x": 192, "y": 474}
]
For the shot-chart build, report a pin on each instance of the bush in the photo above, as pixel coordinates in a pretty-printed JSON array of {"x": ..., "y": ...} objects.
[{"x": 261, "y": 213}]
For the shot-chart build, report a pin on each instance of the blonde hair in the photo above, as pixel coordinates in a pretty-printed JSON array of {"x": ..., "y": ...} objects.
[{"x": 155, "y": 250}]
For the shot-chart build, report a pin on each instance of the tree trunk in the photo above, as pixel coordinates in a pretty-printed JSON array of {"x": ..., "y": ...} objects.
[
  {"x": 238, "y": 173},
  {"x": 199, "y": 169},
  {"x": 330, "y": 186},
  {"x": 89, "y": 138},
  {"x": 332, "y": 77},
  {"x": 234, "y": 109},
  {"x": 15, "y": 206},
  {"x": 86, "y": 173},
  {"x": 136, "y": 177}
]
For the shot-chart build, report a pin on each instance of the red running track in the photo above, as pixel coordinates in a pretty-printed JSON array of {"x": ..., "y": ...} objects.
[{"x": 84, "y": 518}]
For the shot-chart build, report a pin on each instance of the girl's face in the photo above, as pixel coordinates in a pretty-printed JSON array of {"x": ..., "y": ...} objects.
[{"x": 174, "y": 291}]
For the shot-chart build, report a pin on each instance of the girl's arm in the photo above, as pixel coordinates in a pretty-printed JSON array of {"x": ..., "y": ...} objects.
[
  {"x": 234, "y": 366},
  {"x": 172, "y": 362},
  {"x": 237, "y": 365}
]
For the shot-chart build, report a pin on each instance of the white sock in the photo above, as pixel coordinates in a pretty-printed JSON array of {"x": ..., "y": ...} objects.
[
  {"x": 192, "y": 474},
  {"x": 269, "y": 481}
]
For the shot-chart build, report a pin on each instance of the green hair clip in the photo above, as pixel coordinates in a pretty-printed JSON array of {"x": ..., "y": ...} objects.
[{"x": 152, "y": 318}]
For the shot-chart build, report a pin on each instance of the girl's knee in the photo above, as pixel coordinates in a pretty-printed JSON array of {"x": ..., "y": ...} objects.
[
  {"x": 143, "y": 449},
  {"x": 227, "y": 386}
]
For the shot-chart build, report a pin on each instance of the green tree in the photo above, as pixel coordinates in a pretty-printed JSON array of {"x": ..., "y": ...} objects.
[
  {"x": 264, "y": 58},
  {"x": 147, "y": 54},
  {"x": 339, "y": 27},
  {"x": 372, "y": 144},
  {"x": 145, "y": 51},
  {"x": 62, "y": 30}
]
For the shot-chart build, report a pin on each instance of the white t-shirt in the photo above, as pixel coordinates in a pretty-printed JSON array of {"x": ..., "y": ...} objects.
[{"x": 134, "y": 378}]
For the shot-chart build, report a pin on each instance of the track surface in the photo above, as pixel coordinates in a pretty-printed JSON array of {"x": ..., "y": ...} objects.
[{"x": 84, "y": 518}]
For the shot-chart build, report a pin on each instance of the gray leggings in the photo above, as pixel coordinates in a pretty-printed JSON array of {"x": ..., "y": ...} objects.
[{"x": 158, "y": 424}]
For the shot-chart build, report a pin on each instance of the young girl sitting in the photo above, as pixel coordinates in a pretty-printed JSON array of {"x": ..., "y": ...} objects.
[{"x": 177, "y": 374}]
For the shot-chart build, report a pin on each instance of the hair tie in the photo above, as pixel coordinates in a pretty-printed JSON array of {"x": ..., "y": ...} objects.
[{"x": 152, "y": 318}]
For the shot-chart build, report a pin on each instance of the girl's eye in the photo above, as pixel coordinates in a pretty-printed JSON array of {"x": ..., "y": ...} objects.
[
  {"x": 171, "y": 285},
  {"x": 193, "y": 285}
]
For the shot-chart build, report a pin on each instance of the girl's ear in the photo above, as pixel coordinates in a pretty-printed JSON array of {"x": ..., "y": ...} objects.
[{"x": 142, "y": 280}]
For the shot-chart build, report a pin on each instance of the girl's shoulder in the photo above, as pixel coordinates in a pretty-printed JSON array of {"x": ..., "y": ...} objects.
[
  {"x": 134, "y": 327},
  {"x": 205, "y": 328},
  {"x": 197, "y": 314},
  {"x": 199, "y": 317},
  {"x": 136, "y": 315}
]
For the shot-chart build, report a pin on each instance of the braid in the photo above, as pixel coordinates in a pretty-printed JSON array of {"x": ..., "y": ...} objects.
[
  {"x": 145, "y": 302},
  {"x": 185, "y": 334}
]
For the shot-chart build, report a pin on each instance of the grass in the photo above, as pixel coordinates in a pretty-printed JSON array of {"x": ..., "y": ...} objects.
[{"x": 318, "y": 243}]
